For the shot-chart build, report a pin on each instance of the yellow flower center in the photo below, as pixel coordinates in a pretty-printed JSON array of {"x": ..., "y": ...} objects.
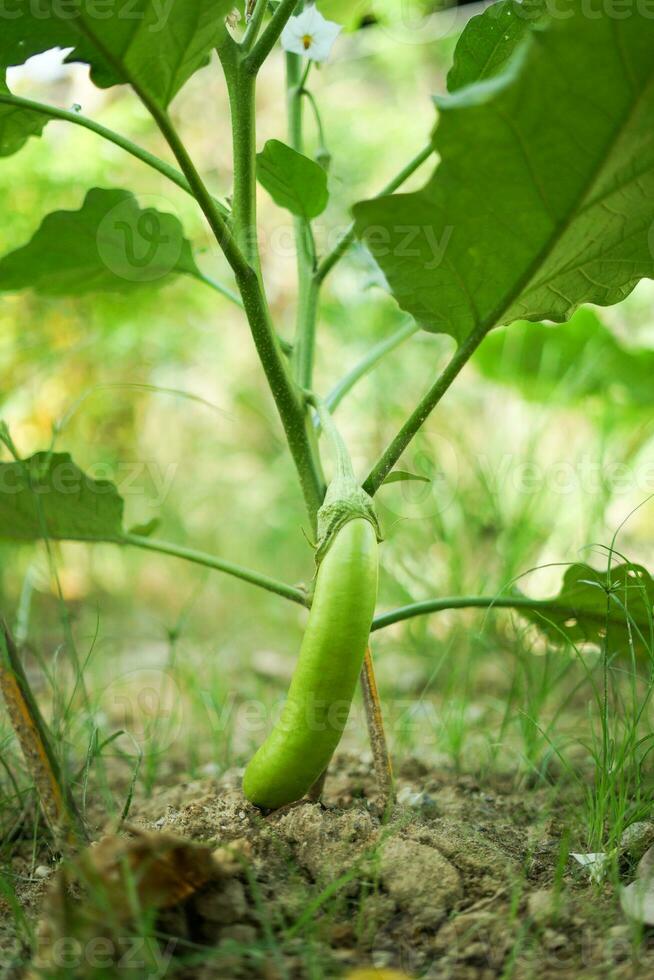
[{"x": 307, "y": 41}]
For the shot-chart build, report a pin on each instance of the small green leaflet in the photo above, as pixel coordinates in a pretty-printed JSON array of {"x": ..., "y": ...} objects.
[
  {"x": 153, "y": 45},
  {"x": 580, "y": 359},
  {"x": 145, "y": 530},
  {"x": 616, "y": 609},
  {"x": 17, "y": 125},
  {"x": 48, "y": 496},
  {"x": 110, "y": 244},
  {"x": 293, "y": 181},
  {"x": 554, "y": 204},
  {"x": 490, "y": 39},
  {"x": 402, "y": 476}
]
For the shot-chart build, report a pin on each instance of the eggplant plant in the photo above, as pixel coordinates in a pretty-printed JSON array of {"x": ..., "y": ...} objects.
[{"x": 539, "y": 199}]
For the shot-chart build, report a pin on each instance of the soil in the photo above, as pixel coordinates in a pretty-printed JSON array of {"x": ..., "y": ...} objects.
[{"x": 456, "y": 880}]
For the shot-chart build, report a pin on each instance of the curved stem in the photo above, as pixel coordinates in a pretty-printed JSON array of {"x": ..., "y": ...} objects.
[
  {"x": 346, "y": 239},
  {"x": 421, "y": 413},
  {"x": 53, "y": 112},
  {"x": 368, "y": 362},
  {"x": 218, "y": 564},
  {"x": 460, "y": 602}
]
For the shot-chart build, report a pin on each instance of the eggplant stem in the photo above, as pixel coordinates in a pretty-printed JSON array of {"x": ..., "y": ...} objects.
[{"x": 381, "y": 757}]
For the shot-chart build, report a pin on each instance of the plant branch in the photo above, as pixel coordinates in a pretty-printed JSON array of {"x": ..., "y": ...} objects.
[
  {"x": 270, "y": 36},
  {"x": 254, "y": 24},
  {"x": 394, "y": 450},
  {"x": 241, "y": 88},
  {"x": 464, "y": 602},
  {"x": 286, "y": 395},
  {"x": 218, "y": 564},
  {"x": 133, "y": 149},
  {"x": 348, "y": 236},
  {"x": 212, "y": 213},
  {"x": 368, "y": 362},
  {"x": 308, "y": 291}
]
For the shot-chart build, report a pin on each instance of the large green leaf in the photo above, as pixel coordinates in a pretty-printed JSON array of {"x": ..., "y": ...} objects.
[
  {"x": 16, "y": 126},
  {"x": 293, "y": 181},
  {"x": 48, "y": 496},
  {"x": 544, "y": 197},
  {"x": 580, "y": 359},
  {"x": 109, "y": 244},
  {"x": 153, "y": 45},
  {"x": 608, "y": 609}
]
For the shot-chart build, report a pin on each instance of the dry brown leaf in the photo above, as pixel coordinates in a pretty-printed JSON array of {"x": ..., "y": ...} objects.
[{"x": 104, "y": 892}]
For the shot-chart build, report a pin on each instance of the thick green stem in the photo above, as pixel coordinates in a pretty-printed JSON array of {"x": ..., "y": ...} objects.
[
  {"x": 287, "y": 395},
  {"x": 348, "y": 236},
  {"x": 394, "y": 450},
  {"x": 219, "y": 564},
  {"x": 241, "y": 88}
]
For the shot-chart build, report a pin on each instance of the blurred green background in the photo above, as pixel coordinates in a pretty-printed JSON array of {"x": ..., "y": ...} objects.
[{"x": 535, "y": 458}]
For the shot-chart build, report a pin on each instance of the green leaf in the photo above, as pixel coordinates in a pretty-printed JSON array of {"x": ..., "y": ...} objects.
[
  {"x": 110, "y": 244},
  {"x": 580, "y": 359},
  {"x": 401, "y": 476},
  {"x": 293, "y": 181},
  {"x": 544, "y": 197},
  {"x": 153, "y": 45},
  {"x": 601, "y": 608},
  {"x": 145, "y": 530},
  {"x": 490, "y": 39},
  {"x": 16, "y": 126},
  {"x": 48, "y": 496}
]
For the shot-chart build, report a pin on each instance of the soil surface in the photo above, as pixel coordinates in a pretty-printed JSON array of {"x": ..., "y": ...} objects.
[{"x": 456, "y": 879}]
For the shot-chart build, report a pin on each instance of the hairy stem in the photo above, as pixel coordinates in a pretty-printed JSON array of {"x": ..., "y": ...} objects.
[
  {"x": 218, "y": 564},
  {"x": 421, "y": 413},
  {"x": 285, "y": 393},
  {"x": 241, "y": 88}
]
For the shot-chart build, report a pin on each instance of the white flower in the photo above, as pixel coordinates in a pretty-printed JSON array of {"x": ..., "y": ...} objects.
[{"x": 310, "y": 34}]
